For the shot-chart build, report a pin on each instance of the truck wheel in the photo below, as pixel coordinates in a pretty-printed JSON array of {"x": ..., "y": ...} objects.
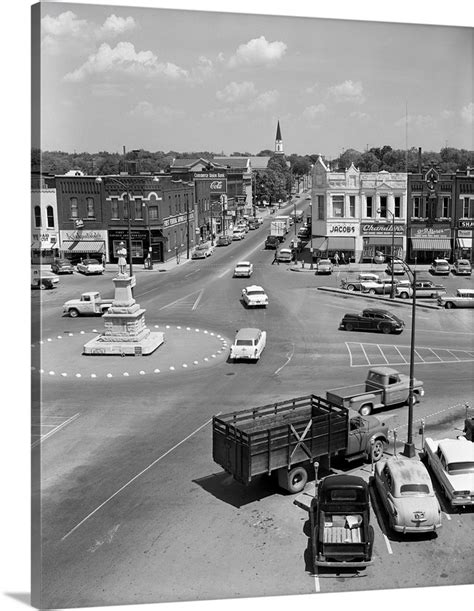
[
  {"x": 73, "y": 313},
  {"x": 448, "y": 305},
  {"x": 386, "y": 329},
  {"x": 376, "y": 451},
  {"x": 350, "y": 287},
  {"x": 371, "y": 291},
  {"x": 349, "y": 326},
  {"x": 293, "y": 480},
  {"x": 365, "y": 410}
]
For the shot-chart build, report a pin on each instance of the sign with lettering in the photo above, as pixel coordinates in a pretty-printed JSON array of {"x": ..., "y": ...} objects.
[
  {"x": 342, "y": 229},
  {"x": 209, "y": 175},
  {"x": 381, "y": 229},
  {"x": 466, "y": 224},
  {"x": 430, "y": 232},
  {"x": 84, "y": 235},
  {"x": 464, "y": 233}
]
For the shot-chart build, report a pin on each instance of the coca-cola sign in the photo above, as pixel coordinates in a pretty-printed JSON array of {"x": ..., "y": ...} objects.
[{"x": 216, "y": 185}]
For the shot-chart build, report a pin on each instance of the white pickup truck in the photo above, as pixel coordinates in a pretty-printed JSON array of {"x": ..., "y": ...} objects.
[{"x": 89, "y": 304}]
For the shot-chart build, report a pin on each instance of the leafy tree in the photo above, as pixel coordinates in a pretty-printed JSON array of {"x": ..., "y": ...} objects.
[
  {"x": 265, "y": 153},
  {"x": 348, "y": 157}
]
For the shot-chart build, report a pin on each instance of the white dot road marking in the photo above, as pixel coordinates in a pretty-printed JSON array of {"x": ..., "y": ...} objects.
[
  {"x": 78, "y": 375},
  {"x": 387, "y": 543},
  {"x": 205, "y": 358},
  {"x": 156, "y": 371},
  {"x": 184, "y": 365},
  {"x": 109, "y": 375},
  {"x": 49, "y": 339},
  {"x": 142, "y": 373},
  {"x": 51, "y": 373},
  {"x": 195, "y": 362},
  {"x": 136, "y": 477},
  {"x": 93, "y": 375},
  {"x": 126, "y": 374},
  {"x": 172, "y": 368}
]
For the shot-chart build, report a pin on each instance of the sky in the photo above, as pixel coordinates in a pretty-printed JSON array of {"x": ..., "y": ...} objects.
[{"x": 159, "y": 79}]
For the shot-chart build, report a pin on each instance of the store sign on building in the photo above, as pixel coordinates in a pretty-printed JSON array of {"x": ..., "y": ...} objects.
[
  {"x": 217, "y": 181},
  {"x": 467, "y": 224},
  {"x": 464, "y": 233},
  {"x": 84, "y": 235},
  {"x": 430, "y": 232},
  {"x": 342, "y": 229},
  {"x": 381, "y": 229}
]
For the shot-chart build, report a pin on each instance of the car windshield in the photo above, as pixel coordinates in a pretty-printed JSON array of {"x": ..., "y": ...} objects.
[
  {"x": 91, "y": 262},
  {"x": 244, "y": 342},
  {"x": 456, "y": 468},
  {"x": 414, "y": 489},
  {"x": 325, "y": 262},
  {"x": 463, "y": 264},
  {"x": 256, "y": 292},
  {"x": 201, "y": 247}
]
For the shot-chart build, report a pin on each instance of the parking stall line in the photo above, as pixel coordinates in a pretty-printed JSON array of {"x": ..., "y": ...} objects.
[
  {"x": 449, "y": 351},
  {"x": 404, "y": 360},
  {"x": 365, "y": 353},
  {"x": 382, "y": 353},
  {"x": 387, "y": 543},
  {"x": 438, "y": 357}
]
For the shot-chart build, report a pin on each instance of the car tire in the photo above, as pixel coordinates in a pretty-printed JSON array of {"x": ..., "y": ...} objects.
[
  {"x": 297, "y": 478},
  {"x": 449, "y": 305},
  {"x": 365, "y": 410},
  {"x": 386, "y": 329},
  {"x": 73, "y": 313},
  {"x": 349, "y": 326},
  {"x": 42, "y": 287},
  {"x": 403, "y": 295},
  {"x": 350, "y": 287},
  {"x": 372, "y": 292},
  {"x": 377, "y": 449}
]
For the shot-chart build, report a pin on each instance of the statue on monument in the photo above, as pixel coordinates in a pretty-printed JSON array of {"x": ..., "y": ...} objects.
[{"x": 122, "y": 259}]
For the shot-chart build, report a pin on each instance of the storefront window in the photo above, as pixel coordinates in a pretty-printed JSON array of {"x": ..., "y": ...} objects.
[
  {"x": 114, "y": 208},
  {"x": 137, "y": 248},
  {"x": 50, "y": 216},
  {"x": 152, "y": 212},
  {"x": 126, "y": 206},
  {"x": 369, "y": 206},
  {"x": 321, "y": 207},
  {"x": 417, "y": 206},
  {"x": 90, "y": 207},
  {"x": 446, "y": 207},
  {"x": 352, "y": 205},
  {"x": 468, "y": 207},
  {"x": 37, "y": 216},
  {"x": 397, "y": 209},
  {"x": 74, "y": 208},
  {"x": 338, "y": 205}
]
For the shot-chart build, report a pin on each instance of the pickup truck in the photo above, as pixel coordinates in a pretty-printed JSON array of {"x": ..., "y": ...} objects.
[
  {"x": 341, "y": 535},
  {"x": 383, "y": 387},
  {"x": 89, "y": 304},
  {"x": 288, "y": 436}
]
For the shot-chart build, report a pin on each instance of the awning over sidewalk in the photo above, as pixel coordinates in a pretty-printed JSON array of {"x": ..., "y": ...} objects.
[
  {"x": 82, "y": 246},
  {"x": 385, "y": 241},
  {"x": 430, "y": 244},
  {"x": 465, "y": 242},
  {"x": 344, "y": 243},
  {"x": 320, "y": 243}
]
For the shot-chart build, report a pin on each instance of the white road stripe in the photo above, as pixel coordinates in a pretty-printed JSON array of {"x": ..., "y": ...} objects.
[
  {"x": 287, "y": 361},
  {"x": 136, "y": 477},
  {"x": 381, "y": 352},
  {"x": 387, "y": 543},
  {"x": 224, "y": 273},
  {"x": 196, "y": 303},
  {"x": 400, "y": 354},
  {"x": 55, "y": 430},
  {"x": 317, "y": 586},
  {"x": 447, "y": 516},
  {"x": 422, "y": 360},
  {"x": 365, "y": 354}
]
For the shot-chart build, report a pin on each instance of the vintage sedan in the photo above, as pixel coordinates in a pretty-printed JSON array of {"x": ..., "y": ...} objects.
[
  {"x": 238, "y": 234},
  {"x": 43, "y": 280},
  {"x": 324, "y": 266},
  {"x": 248, "y": 344},
  {"x": 202, "y": 251},
  {"x": 452, "y": 463},
  {"x": 373, "y": 319},
  {"x": 462, "y": 267},
  {"x": 62, "y": 266},
  {"x": 378, "y": 287},
  {"x": 90, "y": 266},
  {"x": 423, "y": 288},
  {"x": 407, "y": 495},
  {"x": 243, "y": 269},
  {"x": 398, "y": 269},
  {"x": 224, "y": 240},
  {"x": 285, "y": 255},
  {"x": 440, "y": 267},
  {"x": 355, "y": 284},
  {"x": 254, "y": 296},
  {"x": 464, "y": 298}
]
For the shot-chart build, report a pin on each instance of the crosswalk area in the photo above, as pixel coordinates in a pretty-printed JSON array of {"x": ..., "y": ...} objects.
[
  {"x": 362, "y": 354},
  {"x": 185, "y": 304}
]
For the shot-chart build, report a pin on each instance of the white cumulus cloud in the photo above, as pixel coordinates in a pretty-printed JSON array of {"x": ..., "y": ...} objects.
[
  {"x": 264, "y": 100},
  {"x": 159, "y": 114},
  {"x": 258, "y": 51},
  {"x": 348, "y": 91},
  {"x": 357, "y": 114},
  {"x": 123, "y": 58},
  {"x": 311, "y": 112},
  {"x": 234, "y": 92},
  {"x": 114, "y": 26},
  {"x": 65, "y": 24},
  {"x": 467, "y": 113}
]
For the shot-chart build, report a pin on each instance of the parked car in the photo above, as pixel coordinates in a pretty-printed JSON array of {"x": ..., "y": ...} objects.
[
  {"x": 254, "y": 296},
  {"x": 243, "y": 269},
  {"x": 272, "y": 241},
  {"x": 452, "y": 463},
  {"x": 303, "y": 232},
  {"x": 464, "y": 298},
  {"x": 398, "y": 269},
  {"x": 90, "y": 266},
  {"x": 462, "y": 267},
  {"x": 238, "y": 234},
  {"x": 202, "y": 251},
  {"x": 248, "y": 344},
  {"x": 44, "y": 280},
  {"x": 423, "y": 288},
  {"x": 285, "y": 255},
  {"x": 224, "y": 240},
  {"x": 406, "y": 491},
  {"x": 356, "y": 283},
  {"x": 324, "y": 266},
  {"x": 378, "y": 287},
  {"x": 62, "y": 266},
  {"x": 243, "y": 226},
  {"x": 372, "y": 319},
  {"x": 440, "y": 267}
]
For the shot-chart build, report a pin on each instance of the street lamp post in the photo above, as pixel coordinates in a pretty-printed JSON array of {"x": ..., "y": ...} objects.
[
  {"x": 311, "y": 234},
  {"x": 392, "y": 286}
]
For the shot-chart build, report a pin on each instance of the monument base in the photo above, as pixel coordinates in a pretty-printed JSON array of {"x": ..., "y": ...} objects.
[{"x": 99, "y": 347}]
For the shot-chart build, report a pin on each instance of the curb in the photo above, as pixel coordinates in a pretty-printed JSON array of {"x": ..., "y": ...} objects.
[{"x": 377, "y": 298}]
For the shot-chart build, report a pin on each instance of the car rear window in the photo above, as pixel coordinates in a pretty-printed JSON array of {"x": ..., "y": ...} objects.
[
  {"x": 244, "y": 342},
  {"x": 461, "y": 467},
  {"x": 420, "y": 489},
  {"x": 343, "y": 495}
]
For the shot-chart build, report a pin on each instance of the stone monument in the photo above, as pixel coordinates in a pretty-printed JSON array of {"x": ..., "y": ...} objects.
[{"x": 125, "y": 330}]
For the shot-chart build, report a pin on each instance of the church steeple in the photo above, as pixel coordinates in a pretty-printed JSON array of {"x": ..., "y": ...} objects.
[{"x": 278, "y": 141}]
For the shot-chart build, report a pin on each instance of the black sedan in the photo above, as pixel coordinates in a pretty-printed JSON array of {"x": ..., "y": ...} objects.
[{"x": 372, "y": 319}]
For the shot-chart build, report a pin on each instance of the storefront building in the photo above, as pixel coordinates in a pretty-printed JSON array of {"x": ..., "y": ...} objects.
[
  {"x": 464, "y": 214},
  {"x": 431, "y": 216},
  {"x": 357, "y": 214},
  {"x": 44, "y": 221}
]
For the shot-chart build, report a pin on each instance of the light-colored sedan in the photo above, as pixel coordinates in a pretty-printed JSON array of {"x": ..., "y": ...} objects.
[
  {"x": 248, "y": 344},
  {"x": 324, "y": 266},
  {"x": 464, "y": 298},
  {"x": 462, "y": 267},
  {"x": 238, "y": 234},
  {"x": 285, "y": 255},
  {"x": 254, "y": 296},
  {"x": 243, "y": 269},
  {"x": 407, "y": 495},
  {"x": 90, "y": 266},
  {"x": 452, "y": 463},
  {"x": 202, "y": 251}
]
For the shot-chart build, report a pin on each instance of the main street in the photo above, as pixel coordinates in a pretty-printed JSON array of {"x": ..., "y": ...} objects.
[{"x": 133, "y": 506}]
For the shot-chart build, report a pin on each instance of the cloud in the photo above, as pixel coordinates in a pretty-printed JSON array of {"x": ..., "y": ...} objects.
[
  {"x": 313, "y": 88},
  {"x": 348, "y": 91},
  {"x": 203, "y": 70},
  {"x": 160, "y": 114},
  {"x": 258, "y": 51},
  {"x": 311, "y": 112},
  {"x": 114, "y": 26},
  {"x": 234, "y": 92},
  {"x": 447, "y": 114},
  {"x": 264, "y": 100},
  {"x": 416, "y": 121},
  {"x": 357, "y": 114},
  {"x": 65, "y": 24},
  {"x": 467, "y": 113},
  {"x": 124, "y": 59}
]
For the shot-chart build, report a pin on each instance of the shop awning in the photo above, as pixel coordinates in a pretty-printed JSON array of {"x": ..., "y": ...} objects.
[
  {"x": 465, "y": 242},
  {"x": 344, "y": 243},
  {"x": 320, "y": 243},
  {"x": 430, "y": 244},
  {"x": 82, "y": 246},
  {"x": 385, "y": 241},
  {"x": 43, "y": 245}
]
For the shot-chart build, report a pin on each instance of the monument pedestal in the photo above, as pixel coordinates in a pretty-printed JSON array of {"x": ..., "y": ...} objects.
[{"x": 125, "y": 330}]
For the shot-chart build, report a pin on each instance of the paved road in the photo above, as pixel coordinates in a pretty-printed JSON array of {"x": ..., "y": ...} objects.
[{"x": 134, "y": 507}]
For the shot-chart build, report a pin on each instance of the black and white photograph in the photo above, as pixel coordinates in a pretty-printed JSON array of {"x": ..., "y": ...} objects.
[{"x": 249, "y": 365}]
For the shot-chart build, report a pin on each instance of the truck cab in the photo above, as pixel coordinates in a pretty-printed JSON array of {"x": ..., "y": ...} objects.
[
  {"x": 88, "y": 304},
  {"x": 341, "y": 535}
]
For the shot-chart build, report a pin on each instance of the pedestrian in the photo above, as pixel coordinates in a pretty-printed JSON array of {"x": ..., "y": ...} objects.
[
  {"x": 336, "y": 259},
  {"x": 343, "y": 258},
  {"x": 275, "y": 258},
  {"x": 103, "y": 260}
]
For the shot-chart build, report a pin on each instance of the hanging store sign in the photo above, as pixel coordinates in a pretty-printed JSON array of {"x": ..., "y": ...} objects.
[
  {"x": 342, "y": 229},
  {"x": 464, "y": 233},
  {"x": 84, "y": 235},
  {"x": 381, "y": 229},
  {"x": 430, "y": 232},
  {"x": 467, "y": 224}
]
